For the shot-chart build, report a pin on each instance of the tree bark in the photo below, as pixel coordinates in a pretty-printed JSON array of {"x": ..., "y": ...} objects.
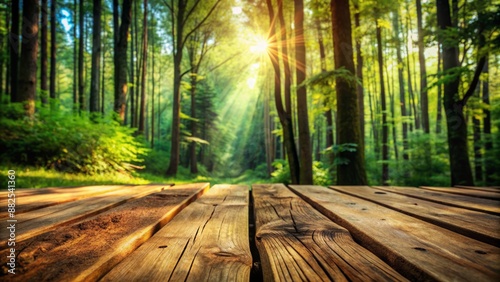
[
  {"x": 81, "y": 85},
  {"x": 488, "y": 142},
  {"x": 96, "y": 57},
  {"x": 75, "y": 60},
  {"x": 53, "y": 48},
  {"x": 359, "y": 75},
  {"x": 142, "y": 119},
  {"x": 306, "y": 173},
  {"x": 44, "y": 86},
  {"x": 424, "y": 100},
  {"x": 353, "y": 172},
  {"x": 29, "y": 52},
  {"x": 385, "y": 126},
  {"x": 461, "y": 173},
  {"x": 14, "y": 52},
  {"x": 121, "y": 61},
  {"x": 439, "y": 116}
]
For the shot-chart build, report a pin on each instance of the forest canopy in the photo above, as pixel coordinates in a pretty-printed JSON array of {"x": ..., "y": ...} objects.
[{"x": 392, "y": 92}]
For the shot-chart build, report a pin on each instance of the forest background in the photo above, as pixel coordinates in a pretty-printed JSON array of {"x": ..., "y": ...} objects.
[{"x": 392, "y": 92}]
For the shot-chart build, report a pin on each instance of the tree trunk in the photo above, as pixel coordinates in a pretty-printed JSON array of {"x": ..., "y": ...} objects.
[
  {"x": 14, "y": 52},
  {"x": 176, "y": 120},
  {"x": 96, "y": 57},
  {"x": 75, "y": 60},
  {"x": 478, "y": 157},
  {"x": 488, "y": 142},
  {"x": 53, "y": 48},
  {"x": 29, "y": 52},
  {"x": 353, "y": 172},
  {"x": 44, "y": 86},
  {"x": 142, "y": 119},
  {"x": 81, "y": 85},
  {"x": 153, "y": 91},
  {"x": 121, "y": 61},
  {"x": 461, "y": 173},
  {"x": 439, "y": 115},
  {"x": 359, "y": 75},
  {"x": 385, "y": 126},
  {"x": 401, "y": 80},
  {"x": 424, "y": 100},
  {"x": 306, "y": 173}
]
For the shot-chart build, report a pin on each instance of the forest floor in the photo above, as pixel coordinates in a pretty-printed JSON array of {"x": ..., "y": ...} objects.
[{"x": 32, "y": 177}]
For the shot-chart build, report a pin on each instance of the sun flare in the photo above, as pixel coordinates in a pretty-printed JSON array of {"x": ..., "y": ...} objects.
[{"x": 259, "y": 47}]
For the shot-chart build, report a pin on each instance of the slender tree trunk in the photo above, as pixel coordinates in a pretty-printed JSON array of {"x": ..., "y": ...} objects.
[
  {"x": 53, "y": 48},
  {"x": 424, "y": 100},
  {"x": 402, "y": 94},
  {"x": 439, "y": 116},
  {"x": 29, "y": 52},
  {"x": 488, "y": 142},
  {"x": 359, "y": 75},
  {"x": 44, "y": 86},
  {"x": 153, "y": 91},
  {"x": 121, "y": 61},
  {"x": 353, "y": 172},
  {"x": 284, "y": 115},
  {"x": 96, "y": 57},
  {"x": 14, "y": 52},
  {"x": 385, "y": 126},
  {"x": 142, "y": 119},
  {"x": 461, "y": 173},
  {"x": 478, "y": 157},
  {"x": 75, "y": 60},
  {"x": 81, "y": 85},
  {"x": 306, "y": 173},
  {"x": 176, "y": 121},
  {"x": 103, "y": 80}
]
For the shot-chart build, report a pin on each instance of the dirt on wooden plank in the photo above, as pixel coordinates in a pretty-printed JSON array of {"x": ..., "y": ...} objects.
[{"x": 64, "y": 253}]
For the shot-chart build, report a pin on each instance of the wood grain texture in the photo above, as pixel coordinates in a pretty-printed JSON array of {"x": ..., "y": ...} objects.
[
  {"x": 417, "y": 249},
  {"x": 466, "y": 192},
  {"x": 480, "y": 226},
  {"x": 41, "y": 220},
  {"x": 207, "y": 241},
  {"x": 297, "y": 243},
  {"x": 494, "y": 189},
  {"x": 461, "y": 201}
]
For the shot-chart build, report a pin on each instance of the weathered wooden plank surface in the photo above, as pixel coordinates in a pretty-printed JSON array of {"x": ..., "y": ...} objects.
[
  {"x": 207, "y": 241},
  {"x": 39, "y": 221},
  {"x": 494, "y": 189},
  {"x": 86, "y": 250},
  {"x": 297, "y": 243},
  {"x": 481, "y": 226},
  {"x": 32, "y": 199},
  {"x": 466, "y": 192},
  {"x": 417, "y": 249},
  {"x": 461, "y": 201}
]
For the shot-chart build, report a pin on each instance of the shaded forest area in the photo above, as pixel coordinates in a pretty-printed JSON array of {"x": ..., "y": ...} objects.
[{"x": 392, "y": 92}]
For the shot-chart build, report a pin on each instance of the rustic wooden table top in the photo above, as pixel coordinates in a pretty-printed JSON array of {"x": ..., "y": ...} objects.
[{"x": 270, "y": 232}]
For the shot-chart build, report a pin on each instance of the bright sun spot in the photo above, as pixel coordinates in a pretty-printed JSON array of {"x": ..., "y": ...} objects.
[
  {"x": 237, "y": 10},
  {"x": 259, "y": 47}
]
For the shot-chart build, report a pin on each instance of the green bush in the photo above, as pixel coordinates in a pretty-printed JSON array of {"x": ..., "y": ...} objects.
[
  {"x": 321, "y": 174},
  {"x": 68, "y": 143}
]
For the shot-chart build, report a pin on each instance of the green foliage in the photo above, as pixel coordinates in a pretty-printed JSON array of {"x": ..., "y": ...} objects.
[
  {"x": 339, "y": 148},
  {"x": 321, "y": 173},
  {"x": 68, "y": 143}
]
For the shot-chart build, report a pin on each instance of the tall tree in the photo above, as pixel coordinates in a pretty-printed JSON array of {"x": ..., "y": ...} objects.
[
  {"x": 44, "y": 53},
  {"x": 75, "y": 59},
  {"x": 29, "y": 52},
  {"x": 424, "y": 100},
  {"x": 142, "y": 112},
  {"x": 353, "y": 171},
  {"x": 385, "y": 125},
  {"x": 14, "y": 51},
  {"x": 488, "y": 143},
  {"x": 81, "y": 47},
  {"x": 359, "y": 72},
  {"x": 306, "y": 173},
  {"x": 284, "y": 112},
  {"x": 53, "y": 48},
  {"x": 96, "y": 57},
  {"x": 120, "y": 59},
  {"x": 461, "y": 173},
  {"x": 180, "y": 16}
]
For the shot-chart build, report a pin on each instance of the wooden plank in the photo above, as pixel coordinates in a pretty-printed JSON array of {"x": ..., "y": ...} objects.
[
  {"x": 88, "y": 249},
  {"x": 297, "y": 243},
  {"x": 39, "y": 221},
  {"x": 488, "y": 189},
  {"x": 207, "y": 241},
  {"x": 33, "y": 199},
  {"x": 417, "y": 249},
  {"x": 471, "y": 203},
  {"x": 465, "y": 192},
  {"x": 480, "y": 226}
]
